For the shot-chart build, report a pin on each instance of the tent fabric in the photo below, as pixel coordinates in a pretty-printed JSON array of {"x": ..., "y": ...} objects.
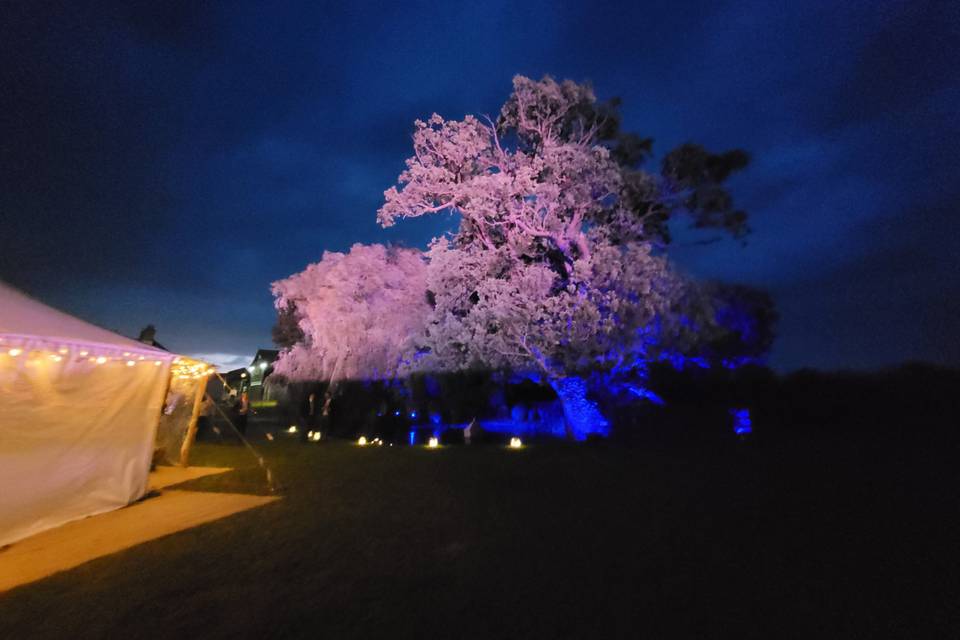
[
  {"x": 76, "y": 433},
  {"x": 174, "y": 425},
  {"x": 21, "y": 315}
]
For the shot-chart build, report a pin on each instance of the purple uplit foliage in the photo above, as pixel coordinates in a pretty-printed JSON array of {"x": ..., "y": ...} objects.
[
  {"x": 359, "y": 313},
  {"x": 549, "y": 271}
]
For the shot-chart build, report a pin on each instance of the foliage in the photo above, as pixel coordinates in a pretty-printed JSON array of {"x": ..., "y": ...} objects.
[
  {"x": 717, "y": 323},
  {"x": 552, "y": 268},
  {"x": 287, "y": 332},
  {"x": 358, "y": 312}
]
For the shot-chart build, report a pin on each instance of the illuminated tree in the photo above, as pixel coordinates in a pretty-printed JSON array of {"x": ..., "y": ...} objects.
[
  {"x": 556, "y": 271},
  {"x": 553, "y": 268},
  {"x": 359, "y": 314}
]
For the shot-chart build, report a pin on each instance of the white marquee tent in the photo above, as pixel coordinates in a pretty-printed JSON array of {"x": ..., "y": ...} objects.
[{"x": 79, "y": 412}]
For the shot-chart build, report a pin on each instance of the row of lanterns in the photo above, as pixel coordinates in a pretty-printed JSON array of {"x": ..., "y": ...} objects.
[
  {"x": 433, "y": 442},
  {"x": 363, "y": 441}
]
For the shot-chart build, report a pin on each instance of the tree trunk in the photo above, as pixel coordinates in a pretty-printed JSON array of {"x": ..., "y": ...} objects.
[{"x": 582, "y": 416}]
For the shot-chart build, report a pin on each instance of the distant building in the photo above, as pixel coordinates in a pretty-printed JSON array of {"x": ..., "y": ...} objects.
[{"x": 252, "y": 377}]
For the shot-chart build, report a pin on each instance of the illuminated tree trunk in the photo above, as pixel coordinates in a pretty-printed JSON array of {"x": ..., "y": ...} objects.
[
  {"x": 582, "y": 416},
  {"x": 332, "y": 387}
]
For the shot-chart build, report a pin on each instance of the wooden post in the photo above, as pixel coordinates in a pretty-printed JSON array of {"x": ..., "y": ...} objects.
[{"x": 192, "y": 427}]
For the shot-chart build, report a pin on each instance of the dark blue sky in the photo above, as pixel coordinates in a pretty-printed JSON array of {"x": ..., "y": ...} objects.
[{"x": 165, "y": 163}]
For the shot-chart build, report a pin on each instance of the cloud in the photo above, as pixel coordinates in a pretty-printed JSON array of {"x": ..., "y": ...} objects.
[{"x": 224, "y": 361}]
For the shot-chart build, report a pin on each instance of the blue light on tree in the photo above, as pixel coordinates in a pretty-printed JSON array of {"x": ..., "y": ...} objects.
[
  {"x": 646, "y": 394},
  {"x": 742, "y": 424},
  {"x": 582, "y": 415}
]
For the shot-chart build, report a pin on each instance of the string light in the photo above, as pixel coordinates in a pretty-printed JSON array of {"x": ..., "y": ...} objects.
[
  {"x": 433, "y": 443},
  {"x": 362, "y": 441},
  {"x": 515, "y": 443},
  {"x": 38, "y": 350}
]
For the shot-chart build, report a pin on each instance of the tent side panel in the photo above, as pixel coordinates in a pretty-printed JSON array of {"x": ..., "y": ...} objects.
[{"x": 76, "y": 439}]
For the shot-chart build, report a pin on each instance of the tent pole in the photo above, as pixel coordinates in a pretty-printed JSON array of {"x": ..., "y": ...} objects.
[{"x": 192, "y": 428}]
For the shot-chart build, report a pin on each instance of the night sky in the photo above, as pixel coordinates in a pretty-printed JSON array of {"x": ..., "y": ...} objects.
[{"x": 164, "y": 164}]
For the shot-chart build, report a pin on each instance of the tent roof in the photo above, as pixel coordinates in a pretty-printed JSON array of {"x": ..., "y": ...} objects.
[{"x": 21, "y": 315}]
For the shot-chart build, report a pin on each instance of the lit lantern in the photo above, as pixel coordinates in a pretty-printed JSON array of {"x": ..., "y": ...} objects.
[
  {"x": 515, "y": 443},
  {"x": 433, "y": 443},
  {"x": 130, "y": 363},
  {"x": 63, "y": 351},
  {"x": 362, "y": 441},
  {"x": 84, "y": 353},
  {"x": 100, "y": 360},
  {"x": 157, "y": 362},
  {"x": 315, "y": 436},
  {"x": 292, "y": 429},
  {"x": 15, "y": 352}
]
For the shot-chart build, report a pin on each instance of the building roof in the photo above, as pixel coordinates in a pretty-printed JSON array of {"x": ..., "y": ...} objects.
[{"x": 269, "y": 355}]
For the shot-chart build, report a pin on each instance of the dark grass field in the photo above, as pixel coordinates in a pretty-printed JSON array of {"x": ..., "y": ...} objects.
[{"x": 808, "y": 537}]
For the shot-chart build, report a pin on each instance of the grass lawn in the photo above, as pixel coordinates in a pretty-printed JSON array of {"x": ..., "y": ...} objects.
[{"x": 809, "y": 538}]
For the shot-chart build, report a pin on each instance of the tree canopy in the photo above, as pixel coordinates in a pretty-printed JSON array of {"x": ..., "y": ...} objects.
[{"x": 557, "y": 267}]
